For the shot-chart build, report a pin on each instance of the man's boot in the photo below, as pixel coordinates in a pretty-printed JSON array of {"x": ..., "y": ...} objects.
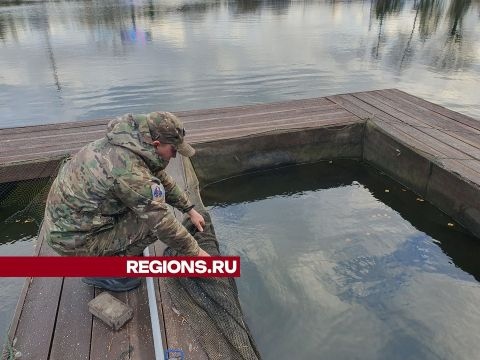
[{"x": 114, "y": 284}]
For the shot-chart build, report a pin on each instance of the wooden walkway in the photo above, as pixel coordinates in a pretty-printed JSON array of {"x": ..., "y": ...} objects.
[
  {"x": 452, "y": 139},
  {"x": 52, "y": 321},
  {"x": 30, "y": 152}
]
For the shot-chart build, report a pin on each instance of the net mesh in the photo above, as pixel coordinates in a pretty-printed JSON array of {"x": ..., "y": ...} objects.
[
  {"x": 211, "y": 306},
  {"x": 26, "y": 198},
  {"x": 23, "y": 201}
]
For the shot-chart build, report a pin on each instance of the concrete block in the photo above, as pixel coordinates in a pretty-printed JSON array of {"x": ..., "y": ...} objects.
[
  {"x": 229, "y": 157},
  {"x": 110, "y": 310},
  {"x": 389, "y": 154},
  {"x": 456, "y": 196}
]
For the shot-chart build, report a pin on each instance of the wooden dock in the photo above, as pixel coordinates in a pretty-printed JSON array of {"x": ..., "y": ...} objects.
[{"x": 432, "y": 150}]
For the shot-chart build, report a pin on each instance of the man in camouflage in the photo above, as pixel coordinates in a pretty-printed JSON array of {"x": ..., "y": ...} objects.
[{"x": 111, "y": 197}]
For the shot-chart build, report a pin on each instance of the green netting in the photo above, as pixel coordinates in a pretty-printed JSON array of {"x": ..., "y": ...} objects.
[
  {"x": 25, "y": 199},
  {"x": 23, "y": 202}
]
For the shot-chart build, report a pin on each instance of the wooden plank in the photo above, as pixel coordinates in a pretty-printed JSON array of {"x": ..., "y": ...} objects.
[
  {"x": 446, "y": 151},
  {"x": 57, "y": 151},
  {"x": 386, "y": 121},
  {"x": 463, "y": 133},
  {"x": 73, "y": 329},
  {"x": 157, "y": 249},
  {"x": 36, "y": 323},
  {"x": 139, "y": 328},
  {"x": 185, "y": 115},
  {"x": 251, "y": 108},
  {"x": 13, "y": 146},
  {"x": 260, "y": 116},
  {"x": 224, "y": 131},
  {"x": 346, "y": 102},
  {"x": 464, "y": 119},
  {"x": 453, "y": 140},
  {"x": 281, "y": 128},
  {"x": 254, "y": 122},
  {"x": 54, "y": 126},
  {"x": 52, "y": 142},
  {"x": 427, "y": 116},
  {"x": 107, "y": 343},
  {"x": 53, "y": 134},
  {"x": 21, "y": 300},
  {"x": 178, "y": 333},
  {"x": 38, "y": 156},
  {"x": 46, "y": 146}
]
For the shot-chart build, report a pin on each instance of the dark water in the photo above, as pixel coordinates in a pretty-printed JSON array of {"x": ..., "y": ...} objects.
[
  {"x": 18, "y": 212},
  {"x": 340, "y": 262},
  {"x": 71, "y": 60}
]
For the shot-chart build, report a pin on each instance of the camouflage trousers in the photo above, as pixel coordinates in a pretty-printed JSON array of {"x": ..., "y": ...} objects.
[{"x": 130, "y": 235}]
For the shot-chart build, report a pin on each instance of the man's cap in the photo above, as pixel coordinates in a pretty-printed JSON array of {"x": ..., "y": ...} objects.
[{"x": 168, "y": 129}]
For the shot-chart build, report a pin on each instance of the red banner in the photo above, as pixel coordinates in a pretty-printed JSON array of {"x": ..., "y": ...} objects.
[{"x": 119, "y": 266}]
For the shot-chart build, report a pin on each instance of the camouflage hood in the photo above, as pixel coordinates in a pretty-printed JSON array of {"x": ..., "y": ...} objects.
[{"x": 132, "y": 132}]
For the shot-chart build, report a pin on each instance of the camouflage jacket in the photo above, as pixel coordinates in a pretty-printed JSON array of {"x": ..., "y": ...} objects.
[{"x": 109, "y": 177}]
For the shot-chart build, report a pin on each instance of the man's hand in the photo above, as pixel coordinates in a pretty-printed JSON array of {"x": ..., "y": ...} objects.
[
  {"x": 196, "y": 219},
  {"x": 203, "y": 253}
]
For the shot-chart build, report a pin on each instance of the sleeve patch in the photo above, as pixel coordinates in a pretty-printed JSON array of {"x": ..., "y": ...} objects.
[{"x": 158, "y": 192}]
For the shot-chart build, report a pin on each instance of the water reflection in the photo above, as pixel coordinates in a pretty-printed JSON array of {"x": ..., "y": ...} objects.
[
  {"x": 246, "y": 6},
  {"x": 457, "y": 10},
  {"x": 452, "y": 53},
  {"x": 387, "y": 7},
  {"x": 430, "y": 13},
  {"x": 345, "y": 269},
  {"x": 134, "y": 35},
  {"x": 111, "y": 13},
  {"x": 41, "y": 22},
  {"x": 296, "y": 181},
  {"x": 185, "y": 54},
  {"x": 120, "y": 16}
]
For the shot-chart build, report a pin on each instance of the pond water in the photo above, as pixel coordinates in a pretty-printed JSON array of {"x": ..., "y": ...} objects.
[
  {"x": 17, "y": 237},
  {"x": 341, "y": 262},
  {"x": 74, "y": 60}
]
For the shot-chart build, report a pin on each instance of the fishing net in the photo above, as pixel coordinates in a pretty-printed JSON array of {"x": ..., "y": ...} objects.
[
  {"x": 211, "y": 306},
  {"x": 24, "y": 201}
]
